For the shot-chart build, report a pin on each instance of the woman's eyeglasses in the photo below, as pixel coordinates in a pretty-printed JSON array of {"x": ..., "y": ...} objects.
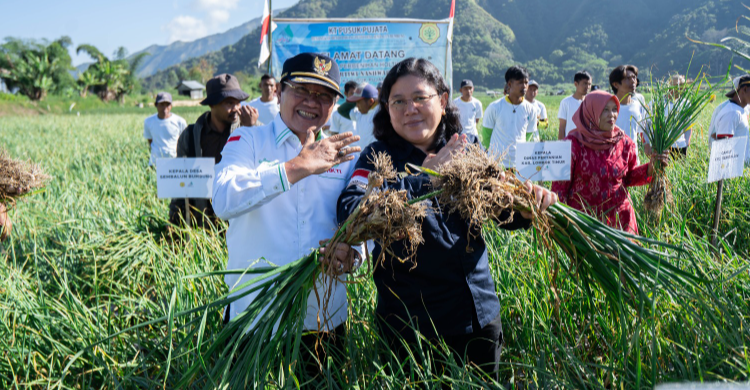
[
  {"x": 419, "y": 101},
  {"x": 304, "y": 93}
]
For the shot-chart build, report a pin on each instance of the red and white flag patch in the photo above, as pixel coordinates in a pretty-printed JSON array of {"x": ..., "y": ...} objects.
[
  {"x": 234, "y": 138},
  {"x": 359, "y": 178}
]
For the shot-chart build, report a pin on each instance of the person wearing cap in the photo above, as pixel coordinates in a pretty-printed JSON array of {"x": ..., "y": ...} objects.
[
  {"x": 277, "y": 185},
  {"x": 340, "y": 124},
  {"x": 470, "y": 108},
  {"x": 162, "y": 129},
  {"x": 366, "y": 98},
  {"x": 531, "y": 93},
  {"x": 210, "y": 132},
  {"x": 266, "y": 104},
  {"x": 379, "y": 87},
  {"x": 729, "y": 119},
  {"x": 679, "y": 148}
]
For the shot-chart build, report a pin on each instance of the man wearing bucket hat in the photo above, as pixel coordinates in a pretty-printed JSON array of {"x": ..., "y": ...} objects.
[
  {"x": 210, "y": 132},
  {"x": 278, "y": 184},
  {"x": 730, "y": 118}
]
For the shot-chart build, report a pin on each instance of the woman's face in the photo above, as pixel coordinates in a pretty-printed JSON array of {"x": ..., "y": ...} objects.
[
  {"x": 416, "y": 108},
  {"x": 609, "y": 116}
]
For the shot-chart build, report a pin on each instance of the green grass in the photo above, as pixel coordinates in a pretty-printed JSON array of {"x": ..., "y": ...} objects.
[{"x": 88, "y": 259}]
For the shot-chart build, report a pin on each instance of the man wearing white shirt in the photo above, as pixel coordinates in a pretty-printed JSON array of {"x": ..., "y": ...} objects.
[
  {"x": 267, "y": 104},
  {"x": 162, "y": 129},
  {"x": 541, "y": 114},
  {"x": 366, "y": 98},
  {"x": 730, "y": 118},
  {"x": 340, "y": 124},
  {"x": 568, "y": 106},
  {"x": 623, "y": 80},
  {"x": 469, "y": 108},
  {"x": 278, "y": 184},
  {"x": 511, "y": 119}
]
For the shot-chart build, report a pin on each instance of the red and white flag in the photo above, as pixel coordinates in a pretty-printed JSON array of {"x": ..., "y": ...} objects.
[
  {"x": 265, "y": 43},
  {"x": 450, "y": 24}
]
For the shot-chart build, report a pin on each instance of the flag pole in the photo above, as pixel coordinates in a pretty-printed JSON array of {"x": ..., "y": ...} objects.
[{"x": 270, "y": 36}]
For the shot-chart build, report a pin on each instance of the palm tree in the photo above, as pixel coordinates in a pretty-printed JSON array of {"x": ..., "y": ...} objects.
[{"x": 114, "y": 78}]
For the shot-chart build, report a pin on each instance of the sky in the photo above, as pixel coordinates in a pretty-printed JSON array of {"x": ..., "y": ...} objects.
[{"x": 134, "y": 24}]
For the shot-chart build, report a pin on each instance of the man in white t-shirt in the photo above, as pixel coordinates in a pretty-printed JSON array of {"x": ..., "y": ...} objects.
[
  {"x": 267, "y": 104},
  {"x": 366, "y": 98},
  {"x": 541, "y": 114},
  {"x": 511, "y": 119},
  {"x": 623, "y": 80},
  {"x": 162, "y": 129},
  {"x": 469, "y": 108},
  {"x": 339, "y": 124},
  {"x": 730, "y": 118},
  {"x": 568, "y": 106}
]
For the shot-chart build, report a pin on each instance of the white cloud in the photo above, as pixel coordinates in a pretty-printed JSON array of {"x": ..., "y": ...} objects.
[
  {"x": 186, "y": 28},
  {"x": 217, "y": 17},
  {"x": 210, "y": 16}
]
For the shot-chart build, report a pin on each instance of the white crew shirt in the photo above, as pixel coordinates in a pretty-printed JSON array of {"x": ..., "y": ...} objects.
[
  {"x": 469, "y": 112},
  {"x": 510, "y": 124},
  {"x": 731, "y": 119},
  {"x": 630, "y": 119},
  {"x": 271, "y": 218},
  {"x": 339, "y": 124},
  {"x": 568, "y": 107},
  {"x": 266, "y": 110},
  {"x": 541, "y": 110},
  {"x": 163, "y": 134},
  {"x": 364, "y": 126}
]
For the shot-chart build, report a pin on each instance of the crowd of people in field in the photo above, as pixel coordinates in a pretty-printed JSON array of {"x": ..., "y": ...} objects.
[{"x": 292, "y": 165}]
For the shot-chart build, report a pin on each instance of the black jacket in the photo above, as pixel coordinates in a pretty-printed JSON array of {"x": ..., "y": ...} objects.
[{"x": 450, "y": 290}]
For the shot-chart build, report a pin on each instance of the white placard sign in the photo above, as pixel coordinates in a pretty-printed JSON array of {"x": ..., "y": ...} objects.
[
  {"x": 543, "y": 161},
  {"x": 727, "y": 159},
  {"x": 184, "y": 177}
]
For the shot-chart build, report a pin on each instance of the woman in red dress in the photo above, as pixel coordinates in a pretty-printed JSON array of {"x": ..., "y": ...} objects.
[{"x": 604, "y": 162}]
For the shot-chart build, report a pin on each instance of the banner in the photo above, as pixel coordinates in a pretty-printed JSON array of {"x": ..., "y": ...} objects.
[
  {"x": 365, "y": 49},
  {"x": 184, "y": 177}
]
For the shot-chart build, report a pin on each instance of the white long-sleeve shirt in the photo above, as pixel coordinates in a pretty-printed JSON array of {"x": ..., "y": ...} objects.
[{"x": 273, "y": 219}]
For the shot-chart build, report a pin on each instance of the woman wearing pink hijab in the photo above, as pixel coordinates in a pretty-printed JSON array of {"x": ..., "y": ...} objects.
[{"x": 603, "y": 163}]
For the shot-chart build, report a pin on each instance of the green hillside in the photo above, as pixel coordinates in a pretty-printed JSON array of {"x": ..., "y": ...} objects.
[{"x": 553, "y": 38}]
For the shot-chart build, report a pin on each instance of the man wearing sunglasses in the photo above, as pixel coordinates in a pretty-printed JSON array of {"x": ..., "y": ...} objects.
[{"x": 278, "y": 184}]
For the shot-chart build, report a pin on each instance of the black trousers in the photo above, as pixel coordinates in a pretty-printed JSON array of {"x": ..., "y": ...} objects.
[
  {"x": 678, "y": 152},
  {"x": 482, "y": 347}
]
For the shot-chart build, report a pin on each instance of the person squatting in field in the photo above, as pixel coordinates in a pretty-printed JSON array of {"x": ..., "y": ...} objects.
[
  {"x": 208, "y": 135},
  {"x": 447, "y": 290},
  {"x": 603, "y": 163},
  {"x": 277, "y": 186}
]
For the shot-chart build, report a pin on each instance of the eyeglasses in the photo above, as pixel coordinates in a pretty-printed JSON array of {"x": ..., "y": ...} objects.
[
  {"x": 419, "y": 101},
  {"x": 304, "y": 93}
]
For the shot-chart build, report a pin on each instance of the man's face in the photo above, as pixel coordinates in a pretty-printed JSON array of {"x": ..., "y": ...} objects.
[
  {"x": 744, "y": 95},
  {"x": 467, "y": 92},
  {"x": 583, "y": 86},
  {"x": 227, "y": 112},
  {"x": 531, "y": 93},
  {"x": 363, "y": 105},
  {"x": 268, "y": 88},
  {"x": 517, "y": 88},
  {"x": 164, "y": 108},
  {"x": 301, "y": 112},
  {"x": 628, "y": 83}
]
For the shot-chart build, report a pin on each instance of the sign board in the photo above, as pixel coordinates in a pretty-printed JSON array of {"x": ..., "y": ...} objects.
[
  {"x": 184, "y": 177},
  {"x": 364, "y": 49},
  {"x": 727, "y": 158},
  {"x": 543, "y": 161}
]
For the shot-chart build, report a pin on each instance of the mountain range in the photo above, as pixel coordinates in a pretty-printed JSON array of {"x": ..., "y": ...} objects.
[{"x": 552, "y": 38}]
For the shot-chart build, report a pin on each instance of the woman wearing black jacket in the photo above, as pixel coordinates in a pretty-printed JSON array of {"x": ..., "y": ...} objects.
[{"x": 450, "y": 293}]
